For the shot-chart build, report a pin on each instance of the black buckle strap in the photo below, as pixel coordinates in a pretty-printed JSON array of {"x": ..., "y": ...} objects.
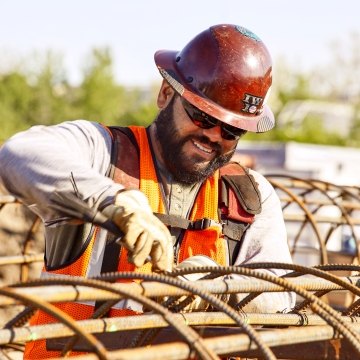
[
  {"x": 200, "y": 224},
  {"x": 234, "y": 229},
  {"x": 178, "y": 222}
]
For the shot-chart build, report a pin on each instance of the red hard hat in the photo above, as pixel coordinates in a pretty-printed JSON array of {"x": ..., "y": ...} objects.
[{"x": 226, "y": 72}]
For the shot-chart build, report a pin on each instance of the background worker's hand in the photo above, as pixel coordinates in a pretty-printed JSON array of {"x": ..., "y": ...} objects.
[{"x": 144, "y": 234}]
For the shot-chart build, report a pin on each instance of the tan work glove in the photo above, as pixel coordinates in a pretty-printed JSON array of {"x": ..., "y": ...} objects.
[
  {"x": 197, "y": 303},
  {"x": 144, "y": 234}
]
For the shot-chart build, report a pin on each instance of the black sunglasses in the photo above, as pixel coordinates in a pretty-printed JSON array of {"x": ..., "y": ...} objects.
[{"x": 205, "y": 121}]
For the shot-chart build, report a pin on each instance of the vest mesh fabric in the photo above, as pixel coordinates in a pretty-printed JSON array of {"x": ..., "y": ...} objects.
[
  {"x": 148, "y": 179},
  {"x": 208, "y": 242},
  {"x": 149, "y": 186},
  {"x": 37, "y": 349},
  {"x": 80, "y": 266}
]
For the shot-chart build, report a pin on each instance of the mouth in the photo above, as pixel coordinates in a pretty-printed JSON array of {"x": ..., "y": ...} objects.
[{"x": 204, "y": 150}]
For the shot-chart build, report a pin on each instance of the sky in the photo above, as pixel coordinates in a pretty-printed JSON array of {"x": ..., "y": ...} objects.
[{"x": 300, "y": 32}]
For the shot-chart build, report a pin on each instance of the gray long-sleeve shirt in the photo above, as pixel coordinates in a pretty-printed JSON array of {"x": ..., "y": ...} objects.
[{"x": 35, "y": 163}]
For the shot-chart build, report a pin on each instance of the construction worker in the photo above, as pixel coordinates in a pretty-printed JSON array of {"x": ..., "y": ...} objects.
[{"x": 171, "y": 187}]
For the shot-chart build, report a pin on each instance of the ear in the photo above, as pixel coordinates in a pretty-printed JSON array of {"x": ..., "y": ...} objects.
[{"x": 166, "y": 93}]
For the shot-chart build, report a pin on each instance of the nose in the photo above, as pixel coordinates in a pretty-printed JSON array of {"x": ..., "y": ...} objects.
[{"x": 214, "y": 133}]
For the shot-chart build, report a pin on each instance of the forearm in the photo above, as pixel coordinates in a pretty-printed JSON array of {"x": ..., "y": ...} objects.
[{"x": 39, "y": 161}]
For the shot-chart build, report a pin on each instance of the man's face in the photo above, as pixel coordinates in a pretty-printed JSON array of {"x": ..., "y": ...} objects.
[{"x": 190, "y": 153}]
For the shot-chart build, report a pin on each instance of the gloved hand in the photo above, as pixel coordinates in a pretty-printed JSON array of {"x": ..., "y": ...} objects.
[
  {"x": 144, "y": 233},
  {"x": 197, "y": 303}
]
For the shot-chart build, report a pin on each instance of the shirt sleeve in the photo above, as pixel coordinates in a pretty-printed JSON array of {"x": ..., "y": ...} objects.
[
  {"x": 44, "y": 159},
  {"x": 266, "y": 241}
]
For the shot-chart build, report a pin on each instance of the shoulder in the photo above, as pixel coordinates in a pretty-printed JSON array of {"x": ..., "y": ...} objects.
[
  {"x": 84, "y": 132},
  {"x": 265, "y": 188},
  {"x": 86, "y": 127},
  {"x": 65, "y": 130},
  {"x": 235, "y": 168}
]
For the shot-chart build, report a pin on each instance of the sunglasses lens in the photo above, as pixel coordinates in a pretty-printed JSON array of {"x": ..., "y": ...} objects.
[
  {"x": 201, "y": 122},
  {"x": 226, "y": 135},
  {"x": 231, "y": 132},
  {"x": 198, "y": 117},
  {"x": 205, "y": 121}
]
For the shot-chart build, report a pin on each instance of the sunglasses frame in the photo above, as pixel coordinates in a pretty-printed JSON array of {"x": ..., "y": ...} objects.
[{"x": 206, "y": 121}]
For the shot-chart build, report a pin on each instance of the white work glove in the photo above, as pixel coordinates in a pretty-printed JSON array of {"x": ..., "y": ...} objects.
[
  {"x": 197, "y": 304},
  {"x": 144, "y": 234}
]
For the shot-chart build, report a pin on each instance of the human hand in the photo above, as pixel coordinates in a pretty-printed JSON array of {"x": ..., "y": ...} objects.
[
  {"x": 144, "y": 234},
  {"x": 193, "y": 303}
]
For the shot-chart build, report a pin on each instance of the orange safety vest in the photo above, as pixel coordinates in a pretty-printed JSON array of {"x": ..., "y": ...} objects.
[{"x": 208, "y": 241}]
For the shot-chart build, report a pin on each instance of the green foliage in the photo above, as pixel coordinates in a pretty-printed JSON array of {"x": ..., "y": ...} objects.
[
  {"x": 99, "y": 97},
  {"x": 44, "y": 95},
  {"x": 296, "y": 87},
  {"x": 355, "y": 129},
  {"x": 15, "y": 103},
  {"x": 142, "y": 116},
  {"x": 311, "y": 130}
]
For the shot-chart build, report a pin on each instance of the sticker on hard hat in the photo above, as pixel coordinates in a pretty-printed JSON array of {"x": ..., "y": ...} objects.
[
  {"x": 251, "y": 103},
  {"x": 247, "y": 33}
]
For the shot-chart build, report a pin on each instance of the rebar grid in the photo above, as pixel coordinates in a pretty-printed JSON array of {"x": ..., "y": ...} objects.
[{"x": 305, "y": 204}]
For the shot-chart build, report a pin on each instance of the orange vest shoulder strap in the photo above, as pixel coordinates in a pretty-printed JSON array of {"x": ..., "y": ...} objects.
[{"x": 125, "y": 151}]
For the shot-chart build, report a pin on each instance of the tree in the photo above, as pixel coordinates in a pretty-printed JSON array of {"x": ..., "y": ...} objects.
[
  {"x": 50, "y": 92},
  {"x": 42, "y": 94},
  {"x": 99, "y": 98},
  {"x": 15, "y": 103}
]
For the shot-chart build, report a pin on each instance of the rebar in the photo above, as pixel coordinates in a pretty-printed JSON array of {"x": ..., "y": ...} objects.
[{"x": 318, "y": 215}]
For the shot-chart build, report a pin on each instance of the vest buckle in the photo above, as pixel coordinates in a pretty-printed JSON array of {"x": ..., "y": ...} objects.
[{"x": 202, "y": 224}]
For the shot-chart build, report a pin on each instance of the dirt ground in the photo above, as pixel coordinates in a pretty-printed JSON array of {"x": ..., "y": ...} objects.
[{"x": 17, "y": 238}]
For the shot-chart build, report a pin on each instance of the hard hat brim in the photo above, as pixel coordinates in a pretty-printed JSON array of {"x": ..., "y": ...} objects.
[{"x": 166, "y": 63}]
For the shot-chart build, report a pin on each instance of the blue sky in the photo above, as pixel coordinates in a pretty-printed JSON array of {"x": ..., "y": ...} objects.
[{"x": 299, "y": 31}]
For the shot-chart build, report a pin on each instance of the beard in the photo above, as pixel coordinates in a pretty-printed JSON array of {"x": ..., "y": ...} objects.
[{"x": 184, "y": 168}]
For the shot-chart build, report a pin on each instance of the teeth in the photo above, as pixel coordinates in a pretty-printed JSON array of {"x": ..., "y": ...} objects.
[{"x": 209, "y": 151}]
